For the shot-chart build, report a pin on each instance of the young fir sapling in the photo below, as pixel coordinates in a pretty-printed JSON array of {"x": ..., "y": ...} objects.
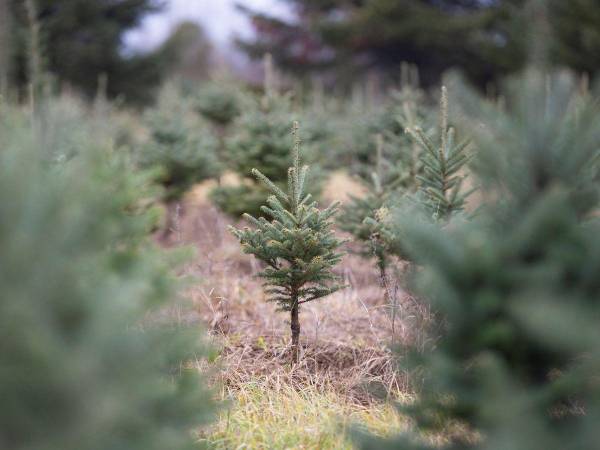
[
  {"x": 180, "y": 148},
  {"x": 440, "y": 183},
  {"x": 353, "y": 214},
  {"x": 296, "y": 243},
  {"x": 219, "y": 103},
  {"x": 394, "y": 175},
  {"x": 261, "y": 139},
  {"x": 404, "y": 107},
  {"x": 440, "y": 188}
]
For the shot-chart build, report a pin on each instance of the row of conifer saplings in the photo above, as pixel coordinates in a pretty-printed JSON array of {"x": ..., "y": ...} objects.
[
  {"x": 514, "y": 284},
  {"x": 295, "y": 239}
]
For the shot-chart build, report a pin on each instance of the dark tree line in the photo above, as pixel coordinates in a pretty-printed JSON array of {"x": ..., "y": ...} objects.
[
  {"x": 81, "y": 41},
  {"x": 486, "y": 39}
]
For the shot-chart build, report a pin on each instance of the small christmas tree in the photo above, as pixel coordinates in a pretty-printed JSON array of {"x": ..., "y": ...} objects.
[
  {"x": 394, "y": 176},
  {"x": 353, "y": 215},
  {"x": 408, "y": 109},
  {"x": 441, "y": 181},
  {"x": 218, "y": 102},
  {"x": 297, "y": 244},
  {"x": 404, "y": 108},
  {"x": 261, "y": 139},
  {"x": 439, "y": 190},
  {"x": 183, "y": 150}
]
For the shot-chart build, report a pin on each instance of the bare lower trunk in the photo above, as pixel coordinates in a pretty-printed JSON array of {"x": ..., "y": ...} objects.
[
  {"x": 389, "y": 296},
  {"x": 383, "y": 280},
  {"x": 295, "y": 325}
]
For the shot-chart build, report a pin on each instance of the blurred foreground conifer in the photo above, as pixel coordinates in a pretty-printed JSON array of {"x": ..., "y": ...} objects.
[
  {"x": 82, "y": 366},
  {"x": 517, "y": 287}
]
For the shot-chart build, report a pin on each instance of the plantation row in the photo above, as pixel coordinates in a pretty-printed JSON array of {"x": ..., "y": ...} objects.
[{"x": 483, "y": 208}]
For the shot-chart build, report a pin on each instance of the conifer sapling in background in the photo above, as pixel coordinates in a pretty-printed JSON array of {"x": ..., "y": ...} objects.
[
  {"x": 439, "y": 195},
  {"x": 394, "y": 177},
  {"x": 219, "y": 103},
  {"x": 407, "y": 109},
  {"x": 296, "y": 243},
  {"x": 182, "y": 150},
  {"x": 441, "y": 182},
  {"x": 353, "y": 214},
  {"x": 261, "y": 139},
  {"x": 404, "y": 107}
]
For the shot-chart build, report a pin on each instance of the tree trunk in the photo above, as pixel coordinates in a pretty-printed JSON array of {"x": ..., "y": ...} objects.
[
  {"x": 383, "y": 279},
  {"x": 295, "y": 325}
]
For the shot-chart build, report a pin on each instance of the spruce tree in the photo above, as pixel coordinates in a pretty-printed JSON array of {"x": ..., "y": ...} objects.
[
  {"x": 354, "y": 213},
  {"x": 82, "y": 40},
  {"x": 218, "y": 102},
  {"x": 261, "y": 139},
  {"x": 516, "y": 287},
  {"x": 296, "y": 243},
  {"x": 439, "y": 193},
  {"x": 408, "y": 108},
  {"x": 180, "y": 146},
  {"x": 180, "y": 149},
  {"x": 403, "y": 108},
  {"x": 441, "y": 182},
  {"x": 82, "y": 363}
]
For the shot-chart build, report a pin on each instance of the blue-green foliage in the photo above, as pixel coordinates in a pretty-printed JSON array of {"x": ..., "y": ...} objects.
[
  {"x": 354, "y": 214},
  {"x": 396, "y": 170},
  {"x": 219, "y": 102},
  {"x": 441, "y": 183},
  {"x": 82, "y": 364},
  {"x": 435, "y": 190},
  {"x": 260, "y": 140},
  {"x": 516, "y": 288},
  {"x": 181, "y": 146},
  {"x": 297, "y": 242}
]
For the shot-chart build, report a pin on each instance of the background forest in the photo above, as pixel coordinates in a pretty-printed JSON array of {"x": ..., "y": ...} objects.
[{"x": 373, "y": 224}]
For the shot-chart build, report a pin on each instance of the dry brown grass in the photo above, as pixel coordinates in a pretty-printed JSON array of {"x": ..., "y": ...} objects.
[
  {"x": 340, "y": 186},
  {"x": 345, "y": 338}
]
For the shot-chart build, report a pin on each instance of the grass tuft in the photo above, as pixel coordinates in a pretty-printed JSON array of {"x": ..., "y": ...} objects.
[{"x": 282, "y": 417}]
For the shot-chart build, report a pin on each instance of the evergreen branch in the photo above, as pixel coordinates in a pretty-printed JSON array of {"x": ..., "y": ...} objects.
[{"x": 270, "y": 185}]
